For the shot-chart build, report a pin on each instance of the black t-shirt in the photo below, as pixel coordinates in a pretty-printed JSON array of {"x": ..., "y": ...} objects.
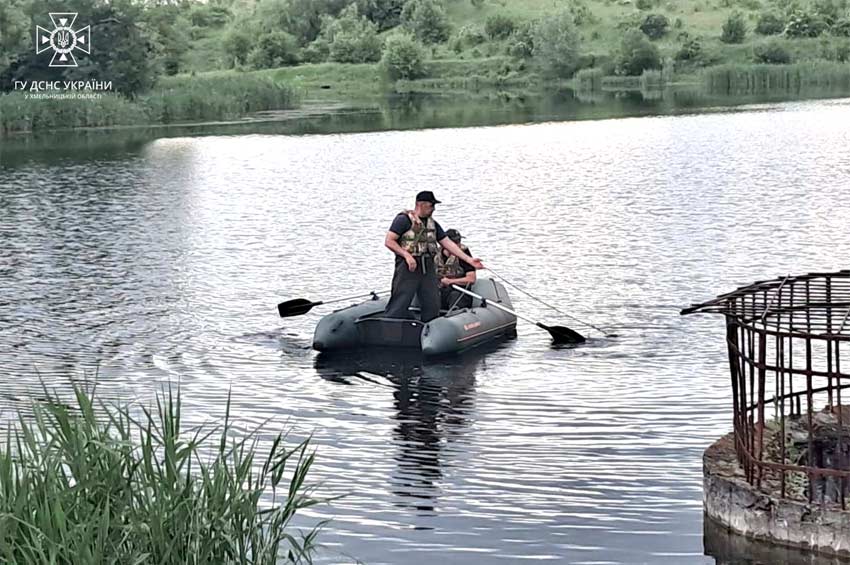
[{"x": 402, "y": 223}]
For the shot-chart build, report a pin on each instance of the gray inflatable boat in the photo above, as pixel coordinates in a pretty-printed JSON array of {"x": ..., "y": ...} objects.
[{"x": 363, "y": 325}]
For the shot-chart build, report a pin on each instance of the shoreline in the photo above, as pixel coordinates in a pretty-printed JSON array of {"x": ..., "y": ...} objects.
[{"x": 323, "y": 90}]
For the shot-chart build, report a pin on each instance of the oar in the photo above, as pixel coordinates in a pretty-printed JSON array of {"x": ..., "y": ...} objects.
[
  {"x": 298, "y": 306},
  {"x": 506, "y": 281},
  {"x": 559, "y": 334}
]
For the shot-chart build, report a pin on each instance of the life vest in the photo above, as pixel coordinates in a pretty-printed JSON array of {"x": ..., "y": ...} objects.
[
  {"x": 450, "y": 266},
  {"x": 420, "y": 241}
]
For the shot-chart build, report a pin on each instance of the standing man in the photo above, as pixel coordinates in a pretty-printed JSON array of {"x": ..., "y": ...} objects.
[{"x": 415, "y": 247}]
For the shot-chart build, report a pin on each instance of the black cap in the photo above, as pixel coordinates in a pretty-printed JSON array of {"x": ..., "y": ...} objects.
[
  {"x": 427, "y": 196},
  {"x": 453, "y": 234}
]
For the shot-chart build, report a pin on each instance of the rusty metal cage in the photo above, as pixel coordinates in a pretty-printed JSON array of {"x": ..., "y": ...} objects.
[{"x": 785, "y": 339}]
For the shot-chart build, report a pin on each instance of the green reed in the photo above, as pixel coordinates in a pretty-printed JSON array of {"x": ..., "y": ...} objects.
[
  {"x": 757, "y": 78},
  {"x": 91, "y": 484},
  {"x": 175, "y": 99},
  {"x": 589, "y": 79}
]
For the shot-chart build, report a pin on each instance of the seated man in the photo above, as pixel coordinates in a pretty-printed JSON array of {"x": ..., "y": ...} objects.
[{"x": 452, "y": 270}]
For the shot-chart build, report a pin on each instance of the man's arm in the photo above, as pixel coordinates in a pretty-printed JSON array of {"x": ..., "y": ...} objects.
[
  {"x": 453, "y": 248},
  {"x": 468, "y": 278}
]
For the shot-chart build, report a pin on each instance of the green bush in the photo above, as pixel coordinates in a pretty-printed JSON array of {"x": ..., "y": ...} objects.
[
  {"x": 521, "y": 42},
  {"x": 499, "y": 26},
  {"x": 804, "y": 24},
  {"x": 427, "y": 20},
  {"x": 655, "y": 26},
  {"x": 841, "y": 28},
  {"x": 470, "y": 35},
  {"x": 833, "y": 50},
  {"x": 770, "y": 23},
  {"x": 274, "y": 49},
  {"x": 91, "y": 483},
  {"x": 644, "y": 4},
  {"x": 735, "y": 29},
  {"x": 637, "y": 54},
  {"x": 556, "y": 44},
  {"x": 842, "y": 52},
  {"x": 403, "y": 58},
  {"x": 351, "y": 38},
  {"x": 772, "y": 53},
  {"x": 316, "y": 52},
  {"x": 691, "y": 50},
  {"x": 829, "y": 10}
]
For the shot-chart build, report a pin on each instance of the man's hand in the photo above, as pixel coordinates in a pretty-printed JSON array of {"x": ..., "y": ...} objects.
[
  {"x": 445, "y": 282},
  {"x": 477, "y": 264},
  {"x": 411, "y": 263}
]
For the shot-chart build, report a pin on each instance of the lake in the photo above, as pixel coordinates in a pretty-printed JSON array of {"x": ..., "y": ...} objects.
[{"x": 150, "y": 257}]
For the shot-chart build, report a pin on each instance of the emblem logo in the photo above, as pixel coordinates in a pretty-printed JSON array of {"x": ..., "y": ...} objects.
[{"x": 63, "y": 39}]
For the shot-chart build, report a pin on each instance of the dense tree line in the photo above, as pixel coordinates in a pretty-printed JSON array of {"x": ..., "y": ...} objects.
[{"x": 135, "y": 41}]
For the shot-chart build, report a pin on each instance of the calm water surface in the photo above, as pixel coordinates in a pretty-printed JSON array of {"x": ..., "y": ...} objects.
[{"x": 163, "y": 259}]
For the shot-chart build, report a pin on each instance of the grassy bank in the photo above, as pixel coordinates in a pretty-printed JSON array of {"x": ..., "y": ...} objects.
[
  {"x": 89, "y": 483},
  {"x": 266, "y": 54},
  {"x": 217, "y": 96}
]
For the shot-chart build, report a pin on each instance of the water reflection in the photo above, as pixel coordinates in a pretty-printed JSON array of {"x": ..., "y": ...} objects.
[
  {"x": 399, "y": 112},
  {"x": 167, "y": 264},
  {"x": 434, "y": 403}
]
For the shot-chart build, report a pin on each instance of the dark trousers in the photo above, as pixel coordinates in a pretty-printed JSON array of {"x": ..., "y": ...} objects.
[
  {"x": 448, "y": 295},
  {"x": 406, "y": 285}
]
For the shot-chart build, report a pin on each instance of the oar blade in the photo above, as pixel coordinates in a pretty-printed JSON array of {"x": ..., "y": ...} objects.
[
  {"x": 561, "y": 335},
  {"x": 295, "y": 307}
]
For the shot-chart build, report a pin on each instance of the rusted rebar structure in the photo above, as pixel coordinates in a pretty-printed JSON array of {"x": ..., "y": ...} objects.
[{"x": 784, "y": 339}]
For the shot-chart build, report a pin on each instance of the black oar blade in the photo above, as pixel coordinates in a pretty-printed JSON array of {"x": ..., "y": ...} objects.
[
  {"x": 295, "y": 307},
  {"x": 562, "y": 335}
]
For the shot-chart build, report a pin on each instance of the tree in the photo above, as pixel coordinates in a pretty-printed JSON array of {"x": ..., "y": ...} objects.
[
  {"x": 168, "y": 33},
  {"x": 637, "y": 54},
  {"x": 499, "y": 26},
  {"x": 427, "y": 20},
  {"x": 238, "y": 42},
  {"x": 301, "y": 18},
  {"x": 14, "y": 30},
  {"x": 274, "y": 49},
  {"x": 351, "y": 38},
  {"x": 129, "y": 62},
  {"x": 804, "y": 24},
  {"x": 735, "y": 29},
  {"x": 385, "y": 14},
  {"x": 556, "y": 43},
  {"x": 403, "y": 57},
  {"x": 655, "y": 26},
  {"x": 770, "y": 23}
]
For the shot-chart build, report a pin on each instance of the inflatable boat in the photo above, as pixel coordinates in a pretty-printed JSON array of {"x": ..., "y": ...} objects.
[{"x": 363, "y": 325}]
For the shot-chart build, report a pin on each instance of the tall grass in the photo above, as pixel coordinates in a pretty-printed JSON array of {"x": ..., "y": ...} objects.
[
  {"x": 19, "y": 113},
  {"x": 758, "y": 78},
  {"x": 590, "y": 79},
  {"x": 183, "y": 99},
  {"x": 95, "y": 484},
  {"x": 652, "y": 79},
  {"x": 196, "y": 98}
]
